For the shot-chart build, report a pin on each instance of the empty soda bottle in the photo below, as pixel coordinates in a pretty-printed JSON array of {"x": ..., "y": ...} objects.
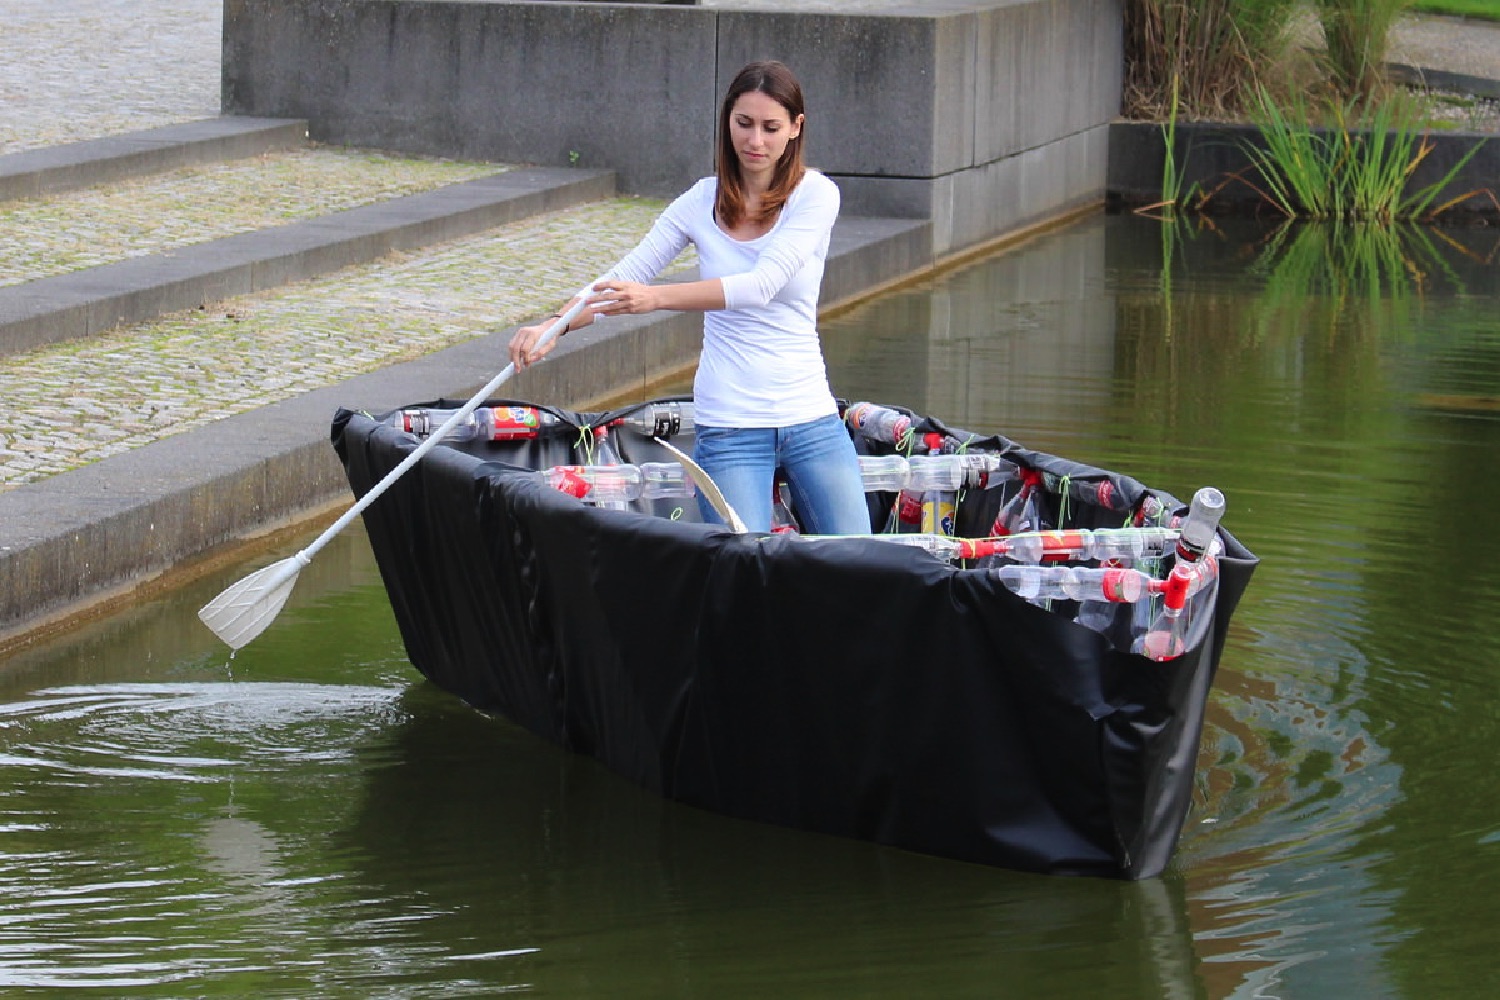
[
  {"x": 485, "y": 423},
  {"x": 1126, "y": 545},
  {"x": 1192, "y": 583},
  {"x": 605, "y": 454},
  {"x": 1020, "y": 513},
  {"x": 602, "y": 485},
  {"x": 942, "y": 546},
  {"x": 878, "y": 423},
  {"x": 665, "y": 480},
  {"x": 983, "y": 470},
  {"x": 1075, "y": 583},
  {"x": 617, "y": 485},
  {"x": 662, "y": 420},
  {"x": 883, "y": 473}
]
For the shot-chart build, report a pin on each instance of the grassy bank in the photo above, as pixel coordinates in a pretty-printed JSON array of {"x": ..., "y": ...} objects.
[{"x": 1468, "y": 8}]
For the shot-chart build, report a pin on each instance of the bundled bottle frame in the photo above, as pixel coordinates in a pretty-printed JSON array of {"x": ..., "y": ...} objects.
[{"x": 1133, "y": 565}]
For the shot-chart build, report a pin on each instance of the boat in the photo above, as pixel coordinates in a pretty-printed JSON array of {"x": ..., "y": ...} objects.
[{"x": 968, "y": 681}]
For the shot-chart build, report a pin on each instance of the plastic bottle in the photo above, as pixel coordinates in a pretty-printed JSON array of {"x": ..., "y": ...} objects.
[
  {"x": 883, "y": 473},
  {"x": 605, "y": 454},
  {"x": 1194, "y": 575},
  {"x": 665, "y": 480},
  {"x": 983, "y": 470},
  {"x": 878, "y": 423},
  {"x": 1081, "y": 544},
  {"x": 936, "y": 472},
  {"x": 603, "y": 485},
  {"x": 942, "y": 546},
  {"x": 619, "y": 484},
  {"x": 662, "y": 420},
  {"x": 486, "y": 423},
  {"x": 1075, "y": 583},
  {"x": 1020, "y": 513}
]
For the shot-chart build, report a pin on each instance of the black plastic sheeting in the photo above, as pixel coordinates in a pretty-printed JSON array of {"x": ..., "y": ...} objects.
[{"x": 846, "y": 686}]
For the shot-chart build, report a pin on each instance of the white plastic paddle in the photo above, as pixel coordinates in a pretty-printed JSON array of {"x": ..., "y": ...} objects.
[
  {"x": 243, "y": 611},
  {"x": 710, "y": 488}
]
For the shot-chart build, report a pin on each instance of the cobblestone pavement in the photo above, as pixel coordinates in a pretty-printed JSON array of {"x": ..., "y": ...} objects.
[
  {"x": 101, "y": 225},
  {"x": 80, "y": 69},
  {"x": 79, "y": 402}
]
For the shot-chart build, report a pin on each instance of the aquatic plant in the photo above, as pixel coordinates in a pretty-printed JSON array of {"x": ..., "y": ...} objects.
[{"x": 1355, "y": 160}]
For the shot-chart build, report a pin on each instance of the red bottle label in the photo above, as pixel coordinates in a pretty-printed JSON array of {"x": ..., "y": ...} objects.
[{"x": 514, "y": 423}]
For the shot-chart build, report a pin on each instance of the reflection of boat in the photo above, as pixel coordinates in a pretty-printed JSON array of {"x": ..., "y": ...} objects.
[{"x": 849, "y": 686}]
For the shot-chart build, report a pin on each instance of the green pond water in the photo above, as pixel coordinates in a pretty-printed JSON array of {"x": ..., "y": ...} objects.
[{"x": 308, "y": 819}]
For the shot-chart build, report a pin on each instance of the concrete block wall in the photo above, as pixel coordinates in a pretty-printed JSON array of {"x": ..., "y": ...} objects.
[{"x": 981, "y": 117}]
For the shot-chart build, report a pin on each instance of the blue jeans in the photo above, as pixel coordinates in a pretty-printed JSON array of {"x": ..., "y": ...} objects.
[{"x": 817, "y": 459}]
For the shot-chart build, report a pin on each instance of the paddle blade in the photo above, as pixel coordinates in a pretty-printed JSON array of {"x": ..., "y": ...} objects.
[
  {"x": 710, "y": 488},
  {"x": 243, "y": 611}
]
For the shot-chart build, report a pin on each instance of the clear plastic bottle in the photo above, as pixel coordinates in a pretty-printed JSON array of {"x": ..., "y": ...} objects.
[
  {"x": 665, "y": 480},
  {"x": 1020, "y": 513},
  {"x": 605, "y": 454},
  {"x": 942, "y": 546},
  {"x": 878, "y": 423},
  {"x": 603, "y": 485},
  {"x": 485, "y": 423},
  {"x": 662, "y": 420},
  {"x": 1188, "y": 592},
  {"x": 936, "y": 472},
  {"x": 1082, "y": 544},
  {"x": 983, "y": 470},
  {"x": 1075, "y": 583},
  {"x": 620, "y": 483},
  {"x": 884, "y": 473}
]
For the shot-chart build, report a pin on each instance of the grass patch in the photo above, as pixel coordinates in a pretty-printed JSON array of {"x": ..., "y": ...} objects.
[
  {"x": 1466, "y": 8},
  {"x": 1346, "y": 161}
]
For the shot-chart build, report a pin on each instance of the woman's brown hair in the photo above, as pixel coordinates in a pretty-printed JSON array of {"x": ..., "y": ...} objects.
[{"x": 777, "y": 82}]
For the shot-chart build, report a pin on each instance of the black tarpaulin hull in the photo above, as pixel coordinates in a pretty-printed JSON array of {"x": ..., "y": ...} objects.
[{"x": 845, "y": 686}]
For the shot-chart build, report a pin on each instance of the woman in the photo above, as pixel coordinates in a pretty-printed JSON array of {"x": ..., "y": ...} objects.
[{"x": 761, "y": 226}]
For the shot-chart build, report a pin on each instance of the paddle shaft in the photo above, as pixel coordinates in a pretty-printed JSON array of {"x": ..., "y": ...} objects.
[{"x": 436, "y": 436}]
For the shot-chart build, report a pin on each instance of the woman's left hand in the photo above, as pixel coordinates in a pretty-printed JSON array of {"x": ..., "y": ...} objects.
[{"x": 618, "y": 298}]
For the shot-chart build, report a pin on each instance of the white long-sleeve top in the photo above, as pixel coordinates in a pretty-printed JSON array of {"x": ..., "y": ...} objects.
[{"x": 762, "y": 363}]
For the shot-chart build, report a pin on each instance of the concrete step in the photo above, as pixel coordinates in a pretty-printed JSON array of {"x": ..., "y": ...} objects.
[
  {"x": 88, "y": 302},
  {"x": 38, "y": 172}
]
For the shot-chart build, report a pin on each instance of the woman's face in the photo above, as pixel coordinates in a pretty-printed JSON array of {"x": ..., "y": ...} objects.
[{"x": 760, "y": 128}]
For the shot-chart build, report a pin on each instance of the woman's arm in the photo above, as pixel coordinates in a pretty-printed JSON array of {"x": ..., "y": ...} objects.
[
  {"x": 807, "y": 219},
  {"x": 667, "y": 238},
  {"x": 804, "y": 228}
]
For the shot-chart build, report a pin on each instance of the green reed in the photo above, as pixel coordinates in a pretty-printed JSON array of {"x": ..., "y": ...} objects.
[
  {"x": 1354, "y": 161},
  {"x": 1356, "y": 34}
]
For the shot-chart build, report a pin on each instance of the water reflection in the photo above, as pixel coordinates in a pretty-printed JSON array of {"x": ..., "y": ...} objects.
[{"x": 307, "y": 819}]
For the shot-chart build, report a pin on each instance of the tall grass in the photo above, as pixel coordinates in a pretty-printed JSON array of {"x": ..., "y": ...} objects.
[
  {"x": 1213, "y": 49},
  {"x": 1357, "y": 35},
  {"x": 1354, "y": 164}
]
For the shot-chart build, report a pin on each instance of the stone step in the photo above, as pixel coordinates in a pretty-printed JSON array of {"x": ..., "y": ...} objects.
[
  {"x": 37, "y": 172},
  {"x": 88, "y": 302}
]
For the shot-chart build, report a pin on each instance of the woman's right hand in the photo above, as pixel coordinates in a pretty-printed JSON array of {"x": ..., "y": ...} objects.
[{"x": 523, "y": 349}]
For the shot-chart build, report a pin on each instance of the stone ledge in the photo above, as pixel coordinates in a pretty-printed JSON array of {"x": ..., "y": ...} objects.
[
  {"x": 38, "y": 172},
  {"x": 86, "y": 303},
  {"x": 1212, "y": 157}
]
